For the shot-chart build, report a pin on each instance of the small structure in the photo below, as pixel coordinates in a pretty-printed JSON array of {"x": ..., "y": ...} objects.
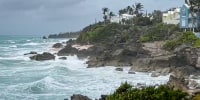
[
  {"x": 172, "y": 16},
  {"x": 188, "y": 20},
  {"x": 119, "y": 19}
]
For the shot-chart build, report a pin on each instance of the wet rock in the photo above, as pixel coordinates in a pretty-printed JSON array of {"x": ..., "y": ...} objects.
[
  {"x": 63, "y": 58},
  {"x": 44, "y": 37},
  {"x": 119, "y": 69},
  {"x": 42, "y": 57},
  {"x": 178, "y": 83},
  {"x": 67, "y": 50},
  {"x": 79, "y": 97},
  {"x": 103, "y": 97},
  {"x": 131, "y": 72},
  {"x": 57, "y": 45},
  {"x": 32, "y": 52},
  {"x": 184, "y": 71},
  {"x": 193, "y": 84},
  {"x": 155, "y": 74}
]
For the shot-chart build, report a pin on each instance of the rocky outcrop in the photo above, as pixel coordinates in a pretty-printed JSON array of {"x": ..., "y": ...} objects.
[
  {"x": 79, "y": 97},
  {"x": 119, "y": 69},
  {"x": 44, "y": 37},
  {"x": 57, "y": 45},
  {"x": 117, "y": 57},
  {"x": 178, "y": 83},
  {"x": 31, "y": 53},
  {"x": 42, "y": 57},
  {"x": 63, "y": 58},
  {"x": 67, "y": 50}
]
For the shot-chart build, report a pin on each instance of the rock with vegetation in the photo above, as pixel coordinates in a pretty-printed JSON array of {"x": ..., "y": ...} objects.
[
  {"x": 65, "y": 35},
  {"x": 43, "y": 56}
]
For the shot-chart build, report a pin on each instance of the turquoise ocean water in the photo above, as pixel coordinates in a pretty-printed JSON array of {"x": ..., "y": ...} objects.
[{"x": 24, "y": 79}]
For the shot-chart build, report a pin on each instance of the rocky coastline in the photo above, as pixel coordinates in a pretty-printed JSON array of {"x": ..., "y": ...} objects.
[{"x": 182, "y": 63}]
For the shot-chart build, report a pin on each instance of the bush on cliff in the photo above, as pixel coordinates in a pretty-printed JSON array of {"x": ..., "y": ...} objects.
[
  {"x": 158, "y": 32},
  {"x": 98, "y": 33},
  {"x": 185, "y": 38},
  {"x": 163, "y": 92}
]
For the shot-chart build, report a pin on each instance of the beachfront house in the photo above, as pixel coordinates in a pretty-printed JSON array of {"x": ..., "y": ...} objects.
[
  {"x": 188, "y": 20},
  {"x": 120, "y": 18},
  {"x": 171, "y": 16}
]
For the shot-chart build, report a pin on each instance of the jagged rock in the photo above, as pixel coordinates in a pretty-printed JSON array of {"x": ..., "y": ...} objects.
[
  {"x": 63, "y": 58},
  {"x": 79, "y": 97},
  {"x": 131, "y": 72},
  {"x": 103, "y": 97},
  {"x": 193, "y": 84},
  {"x": 194, "y": 77},
  {"x": 184, "y": 71},
  {"x": 32, "y": 52},
  {"x": 68, "y": 50},
  {"x": 155, "y": 74},
  {"x": 119, "y": 69},
  {"x": 44, "y": 37},
  {"x": 57, "y": 45},
  {"x": 42, "y": 57},
  {"x": 178, "y": 83}
]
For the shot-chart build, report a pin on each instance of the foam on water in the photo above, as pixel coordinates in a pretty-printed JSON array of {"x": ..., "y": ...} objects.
[{"x": 23, "y": 79}]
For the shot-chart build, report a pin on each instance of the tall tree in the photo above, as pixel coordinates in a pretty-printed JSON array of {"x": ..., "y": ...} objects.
[
  {"x": 111, "y": 14},
  {"x": 105, "y": 14},
  {"x": 138, "y": 8}
]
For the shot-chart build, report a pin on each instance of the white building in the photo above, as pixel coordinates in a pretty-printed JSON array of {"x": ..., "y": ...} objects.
[
  {"x": 118, "y": 19},
  {"x": 171, "y": 16}
]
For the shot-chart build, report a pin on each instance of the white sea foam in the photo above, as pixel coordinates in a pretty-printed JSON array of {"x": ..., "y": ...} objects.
[
  {"x": 24, "y": 79},
  {"x": 31, "y": 44}
]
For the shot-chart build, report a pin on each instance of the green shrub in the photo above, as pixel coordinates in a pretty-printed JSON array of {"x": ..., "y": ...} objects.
[
  {"x": 158, "y": 32},
  {"x": 185, "y": 38},
  {"x": 163, "y": 92}
]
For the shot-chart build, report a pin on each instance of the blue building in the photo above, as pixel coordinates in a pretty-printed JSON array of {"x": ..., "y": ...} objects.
[{"x": 189, "y": 21}]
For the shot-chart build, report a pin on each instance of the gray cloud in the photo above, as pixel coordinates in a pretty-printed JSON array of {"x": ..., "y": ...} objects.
[{"x": 53, "y": 16}]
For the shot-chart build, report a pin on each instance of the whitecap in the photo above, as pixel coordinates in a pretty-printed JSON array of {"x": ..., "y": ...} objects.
[
  {"x": 13, "y": 46},
  {"x": 31, "y": 44}
]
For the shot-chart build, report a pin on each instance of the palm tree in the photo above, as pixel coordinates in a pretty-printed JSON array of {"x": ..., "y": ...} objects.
[
  {"x": 128, "y": 9},
  {"x": 138, "y": 8},
  {"x": 105, "y": 14},
  {"x": 111, "y": 14}
]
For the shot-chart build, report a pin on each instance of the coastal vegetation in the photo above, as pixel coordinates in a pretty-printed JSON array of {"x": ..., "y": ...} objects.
[
  {"x": 187, "y": 38},
  {"x": 159, "y": 32},
  {"x": 163, "y": 92}
]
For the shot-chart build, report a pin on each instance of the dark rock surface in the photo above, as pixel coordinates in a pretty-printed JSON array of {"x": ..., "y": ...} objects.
[
  {"x": 79, "y": 97},
  {"x": 42, "y": 57},
  {"x": 178, "y": 83},
  {"x": 67, "y": 50},
  {"x": 119, "y": 69},
  {"x": 63, "y": 58},
  {"x": 57, "y": 45},
  {"x": 31, "y": 53},
  {"x": 44, "y": 37}
]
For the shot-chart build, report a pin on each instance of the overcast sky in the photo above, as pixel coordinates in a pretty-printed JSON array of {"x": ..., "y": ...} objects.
[{"x": 54, "y": 16}]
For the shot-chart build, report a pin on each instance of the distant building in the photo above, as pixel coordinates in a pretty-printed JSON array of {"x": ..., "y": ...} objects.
[
  {"x": 172, "y": 16},
  {"x": 118, "y": 19},
  {"x": 189, "y": 20}
]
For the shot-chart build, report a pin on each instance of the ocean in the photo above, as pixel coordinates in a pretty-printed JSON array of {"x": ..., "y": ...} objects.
[{"x": 24, "y": 79}]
